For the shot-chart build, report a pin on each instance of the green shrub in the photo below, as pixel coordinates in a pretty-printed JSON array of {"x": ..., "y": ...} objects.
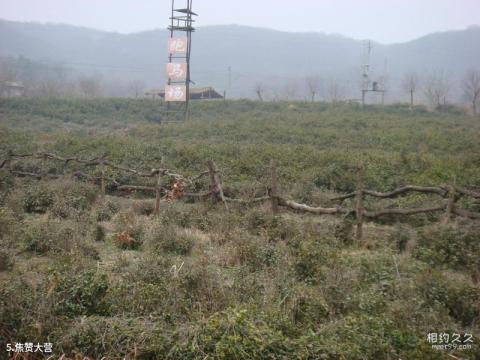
[
  {"x": 169, "y": 239},
  {"x": 6, "y": 260},
  {"x": 153, "y": 269},
  {"x": 456, "y": 295},
  {"x": 139, "y": 298},
  {"x": 106, "y": 210},
  {"x": 87, "y": 250},
  {"x": 15, "y": 200},
  {"x": 400, "y": 237},
  {"x": 15, "y": 297},
  {"x": 185, "y": 218},
  {"x": 365, "y": 337},
  {"x": 72, "y": 198},
  {"x": 276, "y": 228},
  {"x": 130, "y": 231},
  {"x": 80, "y": 293},
  {"x": 311, "y": 257},
  {"x": 114, "y": 338},
  {"x": 450, "y": 109},
  {"x": 343, "y": 231},
  {"x": 234, "y": 334},
  {"x": 450, "y": 246},
  {"x": 38, "y": 199},
  {"x": 6, "y": 184},
  {"x": 43, "y": 235},
  {"x": 197, "y": 283},
  {"x": 99, "y": 233},
  {"x": 143, "y": 207},
  {"x": 256, "y": 220},
  {"x": 306, "y": 306},
  {"x": 254, "y": 252},
  {"x": 7, "y": 223},
  {"x": 247, "y": 286}
]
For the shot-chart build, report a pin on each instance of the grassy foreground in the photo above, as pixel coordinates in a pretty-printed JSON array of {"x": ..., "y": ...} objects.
[{"x": 104, "y": 277}]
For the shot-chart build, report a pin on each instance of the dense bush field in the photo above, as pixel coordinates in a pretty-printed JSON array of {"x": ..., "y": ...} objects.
[{"x": 105, "y": 277}]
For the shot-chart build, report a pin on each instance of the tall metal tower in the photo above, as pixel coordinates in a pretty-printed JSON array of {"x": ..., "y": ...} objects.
[
  {"x": 177, "y": 90},
  {"x": 367, "y": 84},
  {"x": 366, "y": 69}
]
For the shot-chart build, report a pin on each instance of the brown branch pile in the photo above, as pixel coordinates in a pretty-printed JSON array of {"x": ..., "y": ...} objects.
[{"x": 178, "y": 190}]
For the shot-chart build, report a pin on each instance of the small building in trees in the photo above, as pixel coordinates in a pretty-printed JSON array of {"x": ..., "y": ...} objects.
[
  {"x": 204, "y": 93},
  {"x": 11, "y": 89}
]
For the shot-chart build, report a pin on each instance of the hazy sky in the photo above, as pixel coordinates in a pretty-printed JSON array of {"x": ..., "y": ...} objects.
[{"x": 385, "y": 21}]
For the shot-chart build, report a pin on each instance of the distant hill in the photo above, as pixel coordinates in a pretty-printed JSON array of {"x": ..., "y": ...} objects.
[{"x": 278, "y": 60}]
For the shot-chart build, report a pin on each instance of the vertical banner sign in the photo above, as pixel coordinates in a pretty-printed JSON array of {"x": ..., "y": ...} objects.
[
  {"x": 177, "y": 45},
  {"x": 177, "y": 71},
  {"x": 175, "y": 93}
]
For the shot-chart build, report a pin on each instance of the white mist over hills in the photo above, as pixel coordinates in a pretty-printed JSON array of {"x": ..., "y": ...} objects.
[{"x": 237, "y": 58}]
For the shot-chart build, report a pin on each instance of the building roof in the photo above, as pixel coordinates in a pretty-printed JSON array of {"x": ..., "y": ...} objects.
[
  {"x": 193, "y": 91},
  {"x": 12, "y": 84}
]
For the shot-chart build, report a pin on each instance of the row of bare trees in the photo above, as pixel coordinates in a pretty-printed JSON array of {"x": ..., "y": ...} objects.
[
  {"x": 47, "y": 80},
  {"x": 471, "y": 88},
  {"x": 436, "y": 87},
  {"x": 334, "y": 90}
]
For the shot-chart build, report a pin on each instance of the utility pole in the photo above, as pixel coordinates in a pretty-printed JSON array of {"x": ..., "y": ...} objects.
[
  {"x": 228, "y": 86},
  {"x": 229, "y": 79}
]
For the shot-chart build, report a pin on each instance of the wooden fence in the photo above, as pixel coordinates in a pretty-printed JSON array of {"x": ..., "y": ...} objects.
[{"x": 450, "y": 195}]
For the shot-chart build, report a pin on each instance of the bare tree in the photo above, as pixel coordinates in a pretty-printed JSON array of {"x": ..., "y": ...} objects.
[
  {"x": 437, "y": 88},
  {"x": 471, "y": 88},
  {"x": 259, "y": 90},
  {"x": 8, "y": 72},
  {"x": 313, "y": 86},
  {"x": 336, "y": 92},
  {"x": 89, "y": 85},
  {"x": 136, "y": 88},
  {"x": 410, "y": 85},
  {"x": 290, "y": 89},
  {"x": 49, "y": 88}
]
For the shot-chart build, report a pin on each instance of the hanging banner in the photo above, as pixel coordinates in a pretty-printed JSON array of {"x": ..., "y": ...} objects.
[
  {"x": 177, "y": 45},
  {"x": 177, "y": 71},
  {"x": 175, "y": 93}
]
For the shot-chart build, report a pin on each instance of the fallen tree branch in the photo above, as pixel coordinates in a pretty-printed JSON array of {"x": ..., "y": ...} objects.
[
  {"x": 400, "y": 191},
  {"x": 465, "y": 213},
  {"x": 21, "y": 155},
  {"x": 57, "y": 157},
  {"x": 314, "y": 210},
  {"x": 466, "y": 192},
  {"x": 406, "y": 189},
  {"x": 152, "y": 173},
  {"x": 383, "y": 212},
  {"x": 203, "y": 195},
  {"x": 97, "y": 161},
  {"x": 344, "y": 197},
  {"x": 80, "y": 174},
  {"x": 137, "y": 188},
  {"x": 24, "y": 173},
  {"x": 198, "y": 176},
  {"x": 247, "y": 201}
]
